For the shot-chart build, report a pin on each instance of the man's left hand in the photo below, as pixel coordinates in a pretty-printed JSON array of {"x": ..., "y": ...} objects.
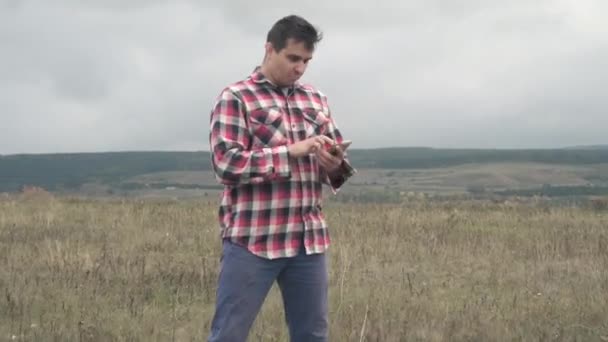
[{"x": 330, "y": 163}]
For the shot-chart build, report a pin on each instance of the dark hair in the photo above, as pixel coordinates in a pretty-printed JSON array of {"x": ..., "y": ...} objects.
[{"x": 295, "y": 27}]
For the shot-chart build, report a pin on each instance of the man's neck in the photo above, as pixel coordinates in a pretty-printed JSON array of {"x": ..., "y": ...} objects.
[
  {"x": 268, "y": 75},
  {"x": 264, "y": 70}
]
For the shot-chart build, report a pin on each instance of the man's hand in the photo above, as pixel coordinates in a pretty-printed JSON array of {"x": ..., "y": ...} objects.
[
  {"x": 331, "y": 163},
  {"x": 308, "y": 146}
]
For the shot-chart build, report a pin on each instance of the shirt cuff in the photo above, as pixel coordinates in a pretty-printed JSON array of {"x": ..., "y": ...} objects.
[
  {"x": 277, "y": 158},
  {"x": 340, "y": 176}
]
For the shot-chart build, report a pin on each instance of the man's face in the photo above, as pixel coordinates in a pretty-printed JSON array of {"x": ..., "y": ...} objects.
[{"x": 289, "y": 64}]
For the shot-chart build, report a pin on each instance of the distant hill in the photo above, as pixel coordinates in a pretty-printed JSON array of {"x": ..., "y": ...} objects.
[
  {"x": 422, "y": 157},
  {"x": 70, "y": 171},
  {"x": 588, "y": 147}
]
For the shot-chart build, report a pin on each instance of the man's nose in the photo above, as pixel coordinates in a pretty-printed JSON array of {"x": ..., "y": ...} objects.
[{"x": 300, "y": 67}]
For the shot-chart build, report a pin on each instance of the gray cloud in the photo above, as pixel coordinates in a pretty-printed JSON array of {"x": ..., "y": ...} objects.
[{"x": 142, "y": 75}]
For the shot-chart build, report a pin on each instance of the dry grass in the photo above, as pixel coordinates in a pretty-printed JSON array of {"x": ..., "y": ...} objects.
[{"x": 84, "y": 270}]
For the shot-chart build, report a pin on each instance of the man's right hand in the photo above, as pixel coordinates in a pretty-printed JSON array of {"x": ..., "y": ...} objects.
[{"x": 308, "y": 146}]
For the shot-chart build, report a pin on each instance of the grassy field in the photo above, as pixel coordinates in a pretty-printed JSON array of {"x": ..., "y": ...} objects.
[{"x": 132, "y": 270}]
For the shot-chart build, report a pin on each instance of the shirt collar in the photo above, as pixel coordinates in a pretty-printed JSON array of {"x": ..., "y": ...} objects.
[{"x": 259, "y": 78}]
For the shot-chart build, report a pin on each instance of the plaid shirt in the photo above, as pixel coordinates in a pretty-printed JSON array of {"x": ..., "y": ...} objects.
[{"x": 271, "y": 202}]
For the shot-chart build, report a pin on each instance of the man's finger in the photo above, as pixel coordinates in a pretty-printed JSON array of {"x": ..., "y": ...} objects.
[
  {"x": 325, "y": 139},
  {"x": 327, "y": 160},
  {"x": 339, "y": 153},
  {"x": 322, "y": 156}
]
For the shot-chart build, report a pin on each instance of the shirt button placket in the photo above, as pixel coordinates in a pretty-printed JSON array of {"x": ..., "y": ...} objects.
[{"x": 295, "y": 136}]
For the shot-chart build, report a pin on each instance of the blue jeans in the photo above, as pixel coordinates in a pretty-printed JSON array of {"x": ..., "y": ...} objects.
[{"x": 244, "y": 282}]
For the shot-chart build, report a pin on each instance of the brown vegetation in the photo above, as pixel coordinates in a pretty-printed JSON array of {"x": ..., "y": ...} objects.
[{"x": 130, "y": 270}]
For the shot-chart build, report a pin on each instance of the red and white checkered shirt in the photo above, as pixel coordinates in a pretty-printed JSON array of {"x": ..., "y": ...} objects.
[{"x": 271, "y": 202}]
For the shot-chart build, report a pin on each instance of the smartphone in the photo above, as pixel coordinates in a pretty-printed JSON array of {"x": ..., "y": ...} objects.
[{"x": 343, "y": 146}]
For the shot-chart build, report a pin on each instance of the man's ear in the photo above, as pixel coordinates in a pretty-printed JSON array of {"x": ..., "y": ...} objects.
[{"x": 268, "y": 48}]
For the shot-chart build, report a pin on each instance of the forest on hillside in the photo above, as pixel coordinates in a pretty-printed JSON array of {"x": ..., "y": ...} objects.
[{"x": 71, "y": 170}]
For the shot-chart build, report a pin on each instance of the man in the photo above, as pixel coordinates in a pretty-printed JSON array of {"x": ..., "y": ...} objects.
[{"x": 269, "y": 136}]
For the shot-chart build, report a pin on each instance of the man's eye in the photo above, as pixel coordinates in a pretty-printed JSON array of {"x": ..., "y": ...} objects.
[{"x": 294, "y": 59}]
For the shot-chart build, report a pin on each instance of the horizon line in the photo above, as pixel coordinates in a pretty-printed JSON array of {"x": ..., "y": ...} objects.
[{"x": 572, "y": 147}]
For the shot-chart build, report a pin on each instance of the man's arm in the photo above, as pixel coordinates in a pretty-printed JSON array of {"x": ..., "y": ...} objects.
[
  {"x": 336, "y": 177},
  {"x": 230, "y": 139}
]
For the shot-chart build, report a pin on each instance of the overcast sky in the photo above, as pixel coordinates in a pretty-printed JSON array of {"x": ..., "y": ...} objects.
[{"x": 113, "y": 75}]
